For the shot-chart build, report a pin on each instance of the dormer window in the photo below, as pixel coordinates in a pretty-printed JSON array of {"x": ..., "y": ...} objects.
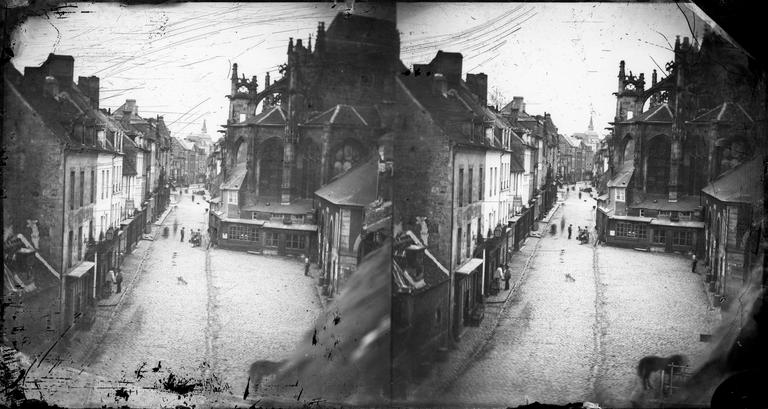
[{"x": 620, "y": 195}]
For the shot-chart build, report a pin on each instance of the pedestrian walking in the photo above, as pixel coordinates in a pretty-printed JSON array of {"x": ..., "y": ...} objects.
[
  {"x": 570, "y": 231},
  {"x": 306, "y": 266},
  {"x": 693, "y": 266},
  {"x": 579, "y": 194},
  {"x": 119, "y": 280},
  {"x": 507, "y": 276},
  {"x": 175, "y": 226},
  {"x": 562, "y": 225},
  {"x": 182, "y": 235}
]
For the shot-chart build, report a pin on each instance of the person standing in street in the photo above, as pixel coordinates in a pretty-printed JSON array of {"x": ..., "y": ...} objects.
[
  {"x": 182, "y": 235},
  {"x": 507, "y": 276},
  {"x": 562, "y": 225},
  {"x": 110, "y": 279},
  {"x": 119, "y": 281},
  {"x": 570, "y": 231},
  {"x": 306, "y": 266},
  {"x": 693, "y": 266},
  {"x": 497, "y": 275},
  {"x": 175, "y": 226}
]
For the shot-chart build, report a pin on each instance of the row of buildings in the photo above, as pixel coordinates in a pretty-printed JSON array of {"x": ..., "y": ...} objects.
[
  {"x": 306, "y": 169},
  {"x": 576, "y": 155},
  {"x": 189, "y": 158},
  {"x": 684, "y": 168},
  {"x": 81, "y": 185}
]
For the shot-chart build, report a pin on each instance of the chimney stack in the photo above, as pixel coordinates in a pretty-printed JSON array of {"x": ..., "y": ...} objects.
[
  {"x": 90, "y": 87},
  {"x": 130, "y": 106},
  {"x": 51, "y": 87},
  {"x": 478, "y": 84},
  {"x": 448, "y": 64},
  {"x": 518, "y": 104},
  {"x": 440, "y": 85}
]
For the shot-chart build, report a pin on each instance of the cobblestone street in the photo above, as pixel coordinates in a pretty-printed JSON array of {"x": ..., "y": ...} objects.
[
  {"x": 582, "y": 318},
  {"x": 199, "y": 315}
]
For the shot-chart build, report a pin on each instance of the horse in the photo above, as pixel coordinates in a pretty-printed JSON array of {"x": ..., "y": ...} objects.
[{"x": 651, "y": 364}]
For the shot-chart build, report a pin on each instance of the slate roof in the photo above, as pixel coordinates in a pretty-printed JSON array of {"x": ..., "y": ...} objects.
[
  {"x": 273, "y": 205},
  {"x": 129, "y": 160},
  {"x": 661, "y": 113},
  {"x": 683, "y": 203},
  {"x": 742, "y": 184},
  {"x": 339, "y": 115},
  {"x": 623, "y": 175},
  {"x": 274, "y": 116},
  {"x": 236, "y": 178},
  {"x": 725, "y": 112},
  {"x": 58, "y": 113},
  {"x": 449, "y": 112},
  {"x": 356, "y": 187},
  {"x": 516, "y": 163}
]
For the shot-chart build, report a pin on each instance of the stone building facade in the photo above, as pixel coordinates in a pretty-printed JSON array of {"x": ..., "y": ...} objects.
[{"x": 670, "y": 140}]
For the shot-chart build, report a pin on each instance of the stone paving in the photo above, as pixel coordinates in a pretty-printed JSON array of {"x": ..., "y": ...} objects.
[
  {"x": 187, "y": 315},
  {"x": 473, "y": 339},
  {"x": 580, "y": 320}
]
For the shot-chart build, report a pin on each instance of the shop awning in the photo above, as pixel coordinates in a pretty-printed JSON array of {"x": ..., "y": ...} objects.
[
  {"x": 469, "y": 266},
  {"x": 81, "y": 269}
]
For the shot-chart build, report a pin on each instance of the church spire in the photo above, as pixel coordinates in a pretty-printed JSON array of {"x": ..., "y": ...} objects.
[
  {"x": 205, "y": 131},
  {"x": 591, "y": 126}
]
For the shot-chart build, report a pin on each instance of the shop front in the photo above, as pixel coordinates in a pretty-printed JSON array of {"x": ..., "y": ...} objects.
[
  {"x": 467, "y": 298},
  {"x": 79, "y": 284},
  {"x": 263, "y": 236}
]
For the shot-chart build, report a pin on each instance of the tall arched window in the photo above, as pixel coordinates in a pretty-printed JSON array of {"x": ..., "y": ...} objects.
[
  {"x": 345, "y": 156},
  {"x": 271, "y": 167},
  {"x": 657, "y": 160}
]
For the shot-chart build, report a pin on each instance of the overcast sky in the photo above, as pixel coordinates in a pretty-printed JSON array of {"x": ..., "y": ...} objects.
[{"x": 175, "y": 60}]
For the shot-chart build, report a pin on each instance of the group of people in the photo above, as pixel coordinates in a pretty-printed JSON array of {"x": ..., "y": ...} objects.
[
  {"x": 501, "y": 274},
  {"x": 113, "y": 279}
]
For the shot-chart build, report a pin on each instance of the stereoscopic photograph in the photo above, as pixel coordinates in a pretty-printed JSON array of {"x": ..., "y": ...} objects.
[{"x": 383, "y": 204}]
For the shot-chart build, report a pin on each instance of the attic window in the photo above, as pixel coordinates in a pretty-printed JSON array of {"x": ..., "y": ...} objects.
[{"x": 630, "y": 114}]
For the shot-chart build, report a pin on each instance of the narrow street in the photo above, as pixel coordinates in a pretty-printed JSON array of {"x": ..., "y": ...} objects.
[
  {"x": 582, "y": 318},
  {"x": 202, "y": 316}
]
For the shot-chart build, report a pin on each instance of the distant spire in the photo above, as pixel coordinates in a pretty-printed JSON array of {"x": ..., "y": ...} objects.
[
  {"x": 591, "y": 126},
  {"x": 205, "y": 131}
]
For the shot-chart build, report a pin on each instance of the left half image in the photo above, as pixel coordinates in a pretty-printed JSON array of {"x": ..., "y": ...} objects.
[{"x": 197, "y": 204}]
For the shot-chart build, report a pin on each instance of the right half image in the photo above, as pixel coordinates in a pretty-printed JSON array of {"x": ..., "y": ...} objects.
[{"x": 578, "y": 207}]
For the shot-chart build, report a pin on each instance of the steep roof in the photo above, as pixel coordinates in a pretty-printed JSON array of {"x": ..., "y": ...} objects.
[
  {"x": 742, "y": 184},
  {"x": 61, "y": 111},
  {"x": 129, "y": 160},
  {"x": 449, "y": 112},
  {"x": 236, "y": 178},
  {"x": 273, "y": 116},
  {"x": 725, "y": 112},
  {"x": 623, "y": 176},
  {"x": 661, "y": 113},
  {"x": 516, "y": 163},
  {"x": 340, "y": 114},
  {"x": 356, "y": 187}
]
